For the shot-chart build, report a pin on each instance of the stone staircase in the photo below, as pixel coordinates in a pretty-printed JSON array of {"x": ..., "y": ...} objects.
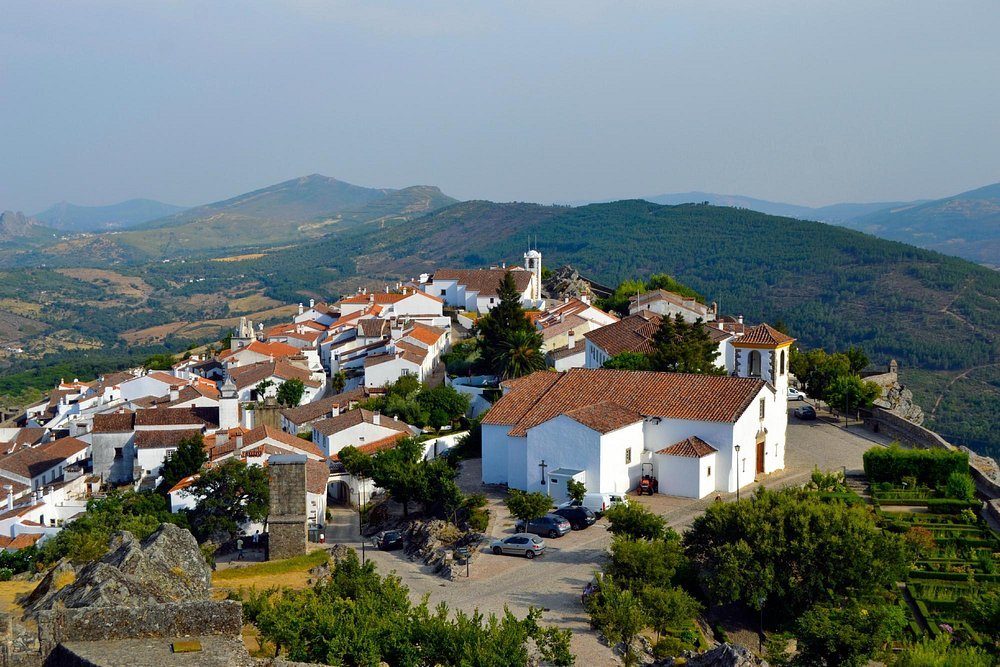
[{"x": 857, "y": 482}]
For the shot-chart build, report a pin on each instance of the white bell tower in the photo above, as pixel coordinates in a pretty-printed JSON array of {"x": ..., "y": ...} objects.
[{"x": 533, "y": 264}]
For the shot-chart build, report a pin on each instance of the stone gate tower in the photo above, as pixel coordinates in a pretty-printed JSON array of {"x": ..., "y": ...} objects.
[{"x": 287, "y": 533}]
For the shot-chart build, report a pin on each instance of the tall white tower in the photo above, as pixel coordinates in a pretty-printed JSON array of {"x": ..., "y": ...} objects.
[
  {"x": 229, "y": 404},
  {"x": 533, "y": 263}
]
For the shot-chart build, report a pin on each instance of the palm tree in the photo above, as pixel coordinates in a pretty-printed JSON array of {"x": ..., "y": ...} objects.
[{"x": 519, "y": 354}]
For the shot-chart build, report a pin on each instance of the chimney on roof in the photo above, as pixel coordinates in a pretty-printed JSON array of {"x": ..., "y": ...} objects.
[
  {"x": 10, "y": 496},
  {"x": 312, "y": 302},
  {"x": 221, "y": 437},
  {"x": 740, "y": 319},
  {"x": 376, "y": 417},
  {"x": 175, "y": 394},
  {"x": 585, "y": 298},
  {"x": 239, "y": 443},
  {"x": 572, "y": 339},
  {"x": 301, "y": 309},
  {"x": 335, "y": 411},
  {"x": 562, "y": 317}
]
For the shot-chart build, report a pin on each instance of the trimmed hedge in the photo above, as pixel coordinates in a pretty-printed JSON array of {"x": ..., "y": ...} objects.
[
  {"x": 846, "y": 497},
  {"x": 952, "y": 506},
  {"x": 952, "y": 576},
  {"x": 929, "y": 466}
]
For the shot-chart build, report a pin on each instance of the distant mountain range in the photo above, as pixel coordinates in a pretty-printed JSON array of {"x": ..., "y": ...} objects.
[
  {"x": 73, "y": 218},
  {"x": 19, "y": 230},
  {"x": 965, "y": 225}
]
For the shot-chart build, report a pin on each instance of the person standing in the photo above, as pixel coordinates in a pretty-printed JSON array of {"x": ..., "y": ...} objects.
[{"x": 239, "y": 548}]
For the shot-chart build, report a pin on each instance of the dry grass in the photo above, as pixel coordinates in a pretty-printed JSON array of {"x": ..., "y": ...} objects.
[
  {"x": 64, "y": 579},
  {"x": 23, "y": 308},
  {"x": 254, "y": 302},
  {"x": 10, "y": 590},
  {"x": 151, "y": 333},
  {"x": 240, "y": 258},
  {"x": 289, "y": 573},
  {"x": 126, "y": 286}
]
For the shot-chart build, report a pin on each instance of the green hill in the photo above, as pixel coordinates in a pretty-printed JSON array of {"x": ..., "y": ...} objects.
[
  {"x": 967, "y": 224},
  {"x": 73, "y": 218}
]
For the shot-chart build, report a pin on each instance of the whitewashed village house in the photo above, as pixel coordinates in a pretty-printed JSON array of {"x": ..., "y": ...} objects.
[{"x": 702, "y": 434}]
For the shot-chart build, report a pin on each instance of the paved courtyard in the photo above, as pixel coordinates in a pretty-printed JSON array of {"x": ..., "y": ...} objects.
[{"x": 554, "y": 581}]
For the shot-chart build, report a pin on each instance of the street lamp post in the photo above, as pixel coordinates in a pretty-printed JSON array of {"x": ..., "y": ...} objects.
[
  {"x": 361, "y": 508},
  {"x": 737, "y": 473}
]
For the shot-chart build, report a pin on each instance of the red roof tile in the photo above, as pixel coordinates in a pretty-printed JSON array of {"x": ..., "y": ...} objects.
[
  {"x": 762, "y": 334},
  {"x": 483, "y": 281},
  {"x": 675, "y": 395},
  {"x": 693, "y": 447},
  {"x": 630, "y": 334},
  {"x": 605, "y": 416}
]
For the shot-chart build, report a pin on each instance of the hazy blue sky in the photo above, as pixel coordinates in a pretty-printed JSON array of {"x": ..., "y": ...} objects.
[{"x": 797, "y": 101}]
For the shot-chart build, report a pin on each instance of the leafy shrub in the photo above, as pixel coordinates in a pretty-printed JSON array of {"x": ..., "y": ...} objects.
[
  {"x": 6, "y": 573},
  {"x": 960, "y": 486},
  {"x": 950, "y": 506},
  {"x": 927, "y": 466}
]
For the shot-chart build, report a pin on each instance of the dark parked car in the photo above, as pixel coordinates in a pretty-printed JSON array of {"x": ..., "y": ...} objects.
[
  {"x": 388, "y": 540},
  {"x": 550, "y": 525},
  {"x": 805, "y": 412},
  {"x": 578, "y": 517}
]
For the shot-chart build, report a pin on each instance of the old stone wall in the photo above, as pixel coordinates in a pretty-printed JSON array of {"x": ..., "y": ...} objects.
[
  {"x": 906, "y": 432},
  {"x": 177, "y": 619},
  {"x": 286, "y": 523}
]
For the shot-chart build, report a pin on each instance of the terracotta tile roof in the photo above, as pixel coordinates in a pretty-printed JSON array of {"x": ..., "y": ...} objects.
[
  {"x": 32, "y": 461},
  {"x": 693, "y": 448},
  {"x": 285, "y": 440},
  {"x": 717, "y": 335},
  {"x": 483, "y": 281},
  {"x": 762, "y": 334},
  {"x": 23, "y": 540},
  {"x": 29, "y": 435},
  {"x": 196, "y": 417},
  {"x": 323, "y": 407},
  {"x": 377, "y": 359},
  {"x": 114, "y": 422},
  {"x": 251, "y": 374},
  {"x": 160, "y": 439},
  {"x": 377, "y": 446},
  {"x": 381, "y": 298},
  {"x": 605, "y": 416},
  {"x": 663, "y": 295},
  {"x": 674, "y": 395},
  {"x": 374, "y": 327},
  {"x": 357, "y": 416},
  {"x": 630, "y": 334},
  {"x": 114, "y": 379},
  {"x": 566, "y": 351},
  {"x": 276, "y": 350},
  {"x": 570, "y": 323},
  {"x": 425, "y": 333},
  {"x": 184, "y": 483},
  {"x": 411, "y": 352},
  {"x": 166, "y": 378},
  {"x": 572, "y": 307},
  {"x": 16, "y": 489},
  {"x": 317, "y": 476}
]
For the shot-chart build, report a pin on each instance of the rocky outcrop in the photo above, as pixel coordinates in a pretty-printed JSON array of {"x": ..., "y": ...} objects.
[
  {"x": 567, "y": 282},
  {"x": 726, "y": 655},
  {"x": 167, "y": 566},
  {"x": 899, "y": 399}
]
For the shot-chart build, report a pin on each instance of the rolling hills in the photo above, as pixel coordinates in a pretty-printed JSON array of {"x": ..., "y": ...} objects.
[
  {"x": 832, "y": 286},
  {"x": 74, "y": 218},
  {"x": 966, "y": 224}
]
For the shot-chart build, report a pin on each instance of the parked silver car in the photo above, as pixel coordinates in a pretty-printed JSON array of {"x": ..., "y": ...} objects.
[{"x": 521, "y": 544}]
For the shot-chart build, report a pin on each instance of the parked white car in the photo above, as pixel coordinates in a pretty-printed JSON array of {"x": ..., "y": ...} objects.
[
  {"x": 598, "y": 503},
  {"x": 796, "y": 395}
]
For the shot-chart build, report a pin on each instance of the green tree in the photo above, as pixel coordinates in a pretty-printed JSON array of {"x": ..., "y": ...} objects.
[
  {"x": 338, "y": 381},
  {"x": 397, "y": 470},
  {"x": 635, "y": 522},
  {"x": 960, "y": 486},
  {"x": 527, "y": 506},
  {"x": 852, "y": 392},
  {"x": 767, "y": 547},
  {"x": 684, "y": 347},
  {"x": 186, "y": 460},
  {"x": 629, "y": 361},
  {"x": 518, "y": 353},
  {"x": 846, "y": 636},
  {"x": 641, "y": 563},
  {"x": 229, "y": 495},
  {"x": 86, "y": 537},
  {"x": 159, "y": 362},
  {"x": 576, "y": 490},
  {"x": 290, "y": 392},
  {"x": 669, "y": 608},
  {"x": 443, "y": 403},
  {"x": 619, "y": 615},
  {"x": 858, "y": 359},
  {"x": 507, "y": 339},
  {"x": 261, "y": 388}
]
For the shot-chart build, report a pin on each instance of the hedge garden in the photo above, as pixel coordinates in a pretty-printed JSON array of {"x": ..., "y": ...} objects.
[{"x": 953, "y": 587}]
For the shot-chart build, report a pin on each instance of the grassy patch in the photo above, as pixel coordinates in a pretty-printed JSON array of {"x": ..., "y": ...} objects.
[{"x": 272, "y": 568}]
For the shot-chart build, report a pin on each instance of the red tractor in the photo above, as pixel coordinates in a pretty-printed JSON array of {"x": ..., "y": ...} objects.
[{"x": 648, "y": 484}]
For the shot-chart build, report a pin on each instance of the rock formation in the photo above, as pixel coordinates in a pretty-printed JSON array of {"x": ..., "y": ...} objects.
[{"x": 167, "y": 566}]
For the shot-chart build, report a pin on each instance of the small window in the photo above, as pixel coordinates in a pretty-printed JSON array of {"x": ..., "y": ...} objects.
[
  {"x": 628, "y": 455},
  {"x": 118, "y": 454},
  {"x": 763, "y": 402},
  {"x": 444, "y": 292},
  {"x": 784, "y": 368},
  {"x": 709, "y": 471},
  {"x": 754, "y": 363}
]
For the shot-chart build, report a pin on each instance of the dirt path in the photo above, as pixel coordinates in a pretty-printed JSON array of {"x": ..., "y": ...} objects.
[{"x": 955, "y": 379}]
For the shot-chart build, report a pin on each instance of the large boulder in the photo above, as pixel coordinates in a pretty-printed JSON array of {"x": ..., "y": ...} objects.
[
  {"x": 167, "y": 566},
  {"x": 725, "y": 655}
]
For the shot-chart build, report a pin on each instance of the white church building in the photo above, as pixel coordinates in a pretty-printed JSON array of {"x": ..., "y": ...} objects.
[
  {"x": 475, "y": 290},
  {"x": 700, "y": 434}
]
